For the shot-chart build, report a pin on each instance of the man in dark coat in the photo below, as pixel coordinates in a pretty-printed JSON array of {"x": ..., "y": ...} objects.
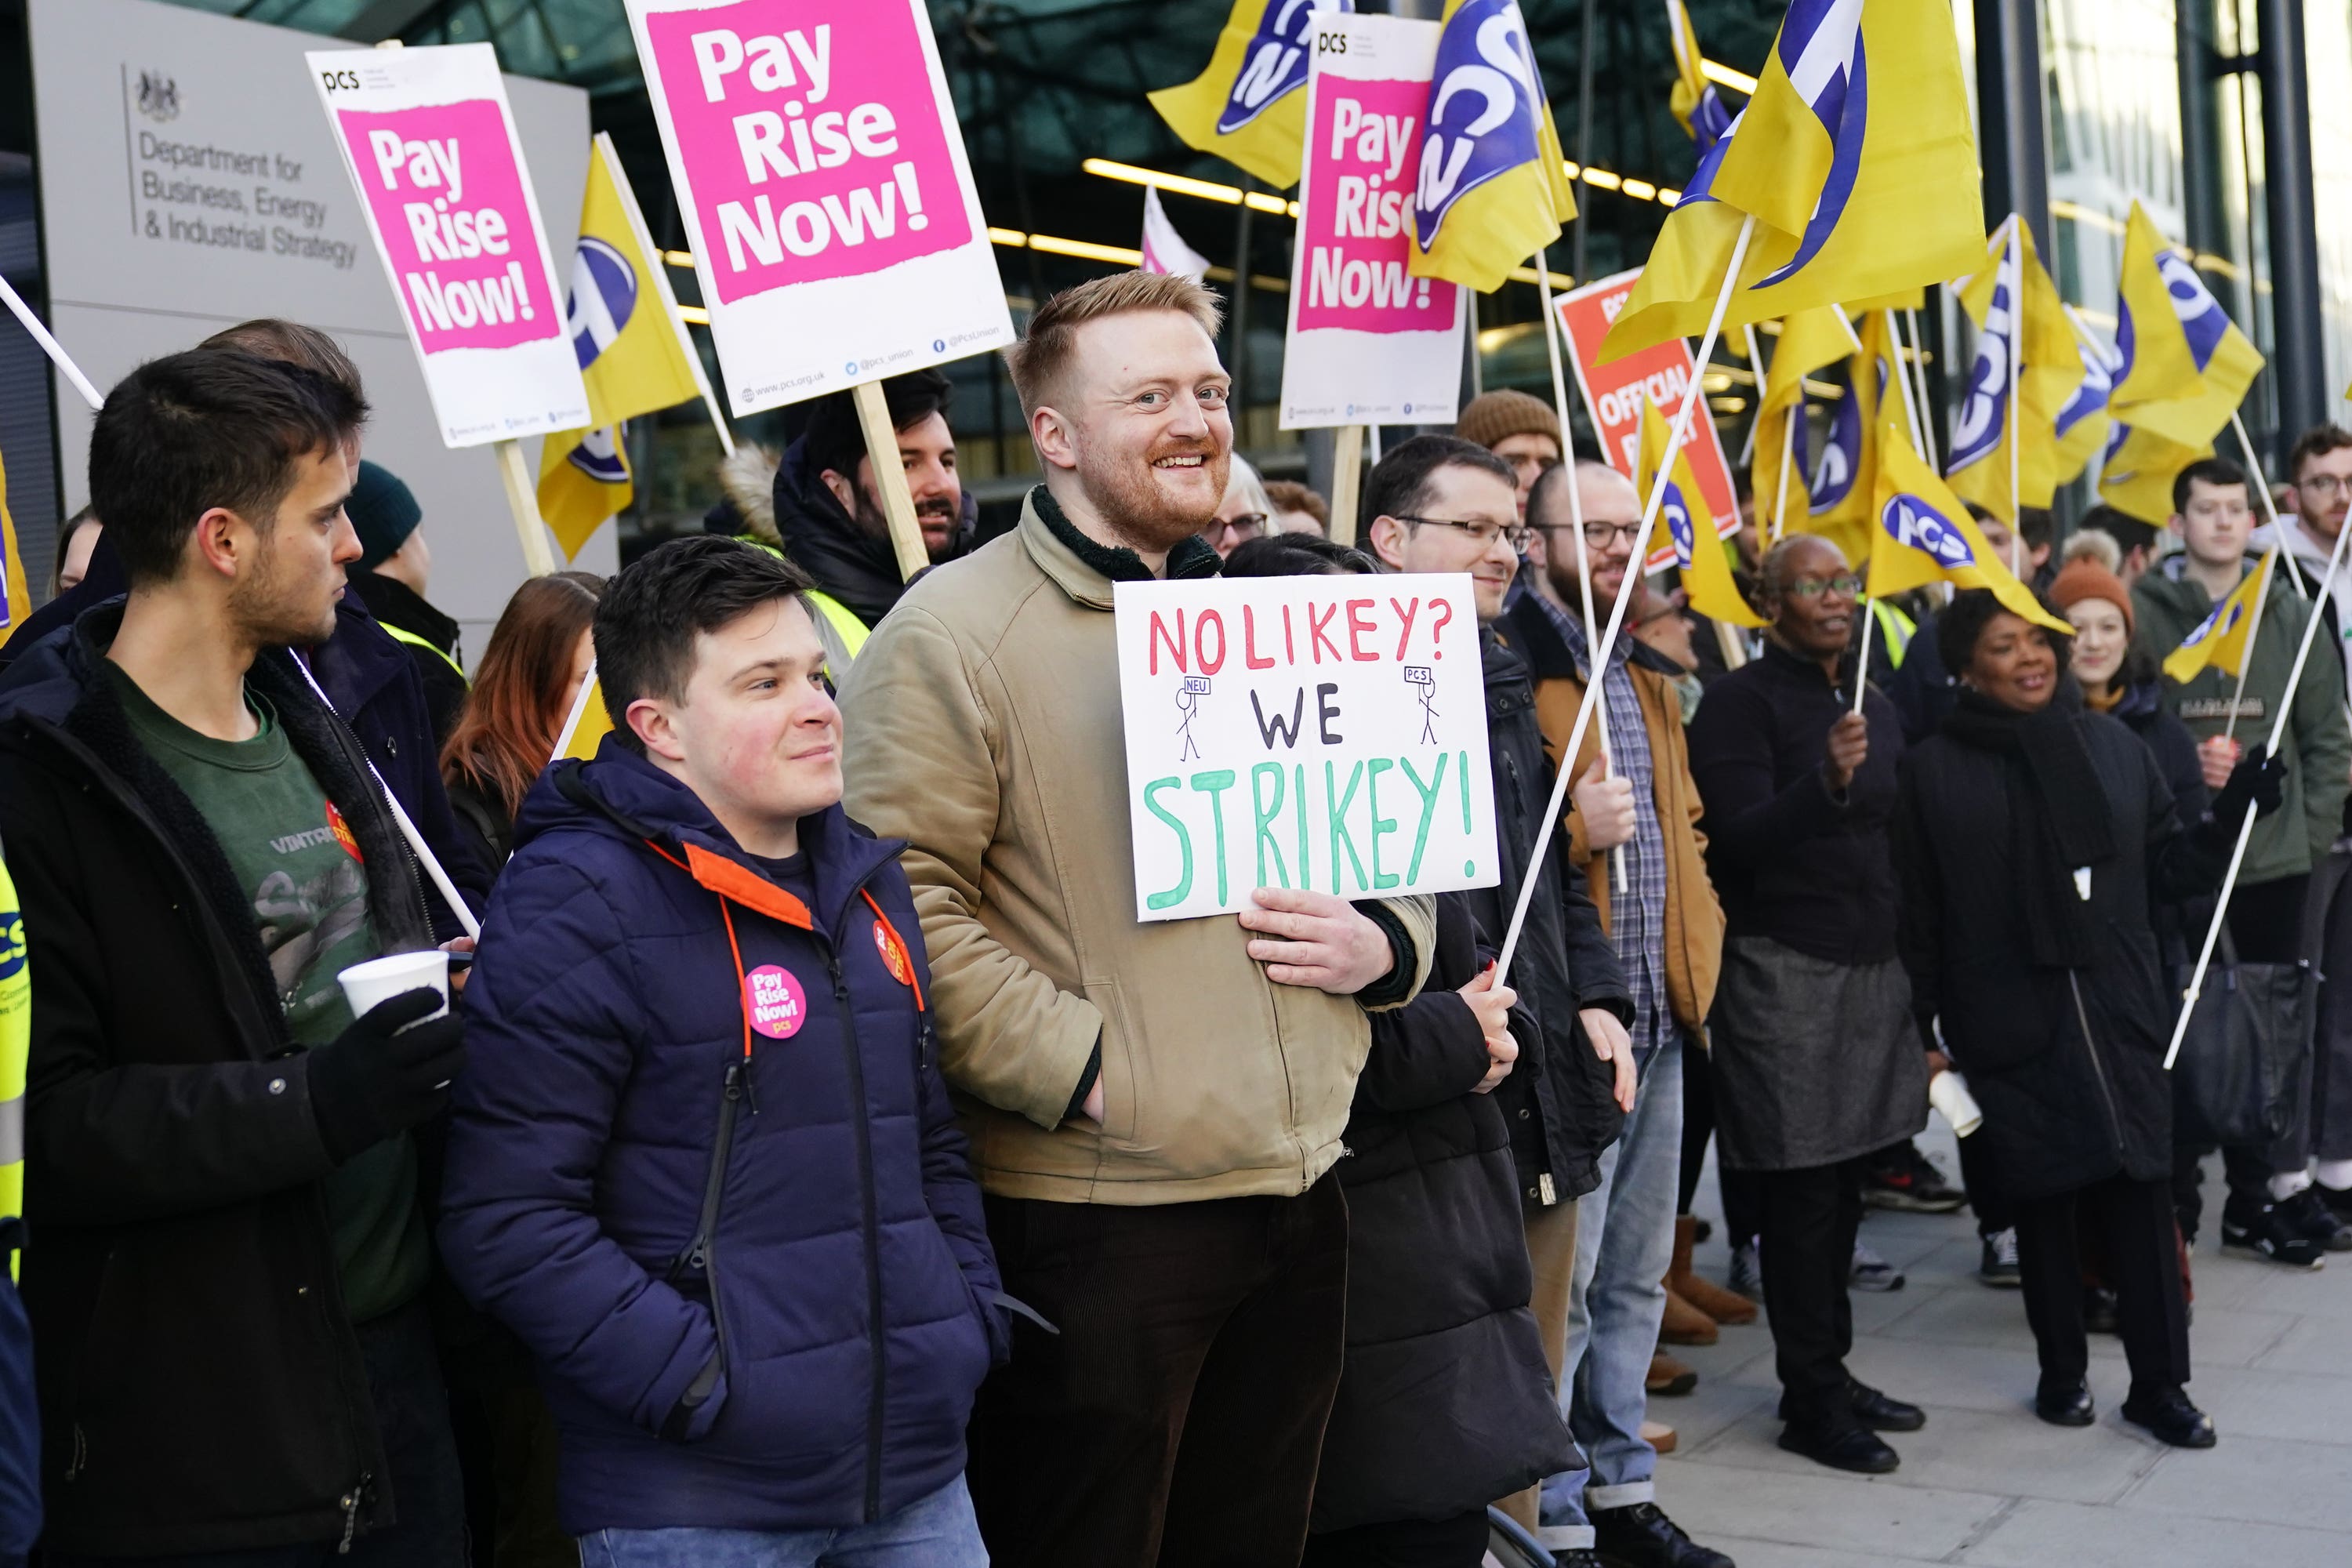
[
  {"x": 1442, "y": 504},
  {"x": 392, "y": 577},
  {"x": 704, "y": 1165},
  {"x": 1815, "y": 1064},
  {"x": 233, "y": 1356}
]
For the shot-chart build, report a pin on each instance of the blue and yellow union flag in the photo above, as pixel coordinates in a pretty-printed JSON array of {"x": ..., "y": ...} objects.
[
  {"x": 1249, "y": 107},
  {"x": 1854, "y": 157},
  {"x": 2219, "y": 641},
  {"x": 1697, "y": 107},
  {"x": 635, "y": 356},
  {"x": 1698, "y": 548},
  {"x": 1924, "y": 534},
  {"x": 16, "y": 596},
  {"x": 1493, "y": 185},
  {"x": 2186, "y": 366}
]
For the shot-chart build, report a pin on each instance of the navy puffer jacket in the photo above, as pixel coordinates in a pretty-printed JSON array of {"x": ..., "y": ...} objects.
[{"x": 733, "y": 1223}]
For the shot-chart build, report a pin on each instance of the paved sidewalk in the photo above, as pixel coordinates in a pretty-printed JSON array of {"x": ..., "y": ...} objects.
[{"x": 1986, "y": 1483}]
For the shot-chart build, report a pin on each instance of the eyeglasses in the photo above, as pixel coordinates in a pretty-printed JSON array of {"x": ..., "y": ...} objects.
[
  {"x": 1514, "y": 535},
  {"x": 1597, "y": 535},
  {"x": 1848, "y": 586},
  {"x": 1249, "y": 525},
  {"x": 2325, "y": 485}
]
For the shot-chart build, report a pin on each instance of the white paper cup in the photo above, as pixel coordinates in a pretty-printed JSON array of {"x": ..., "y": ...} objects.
[
  {"x": 1948, "y": 1091},
  {"x": 382, "y": 979}
]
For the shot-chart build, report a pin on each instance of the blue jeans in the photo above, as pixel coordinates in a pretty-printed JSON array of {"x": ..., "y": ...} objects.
[
  {"x": 1624, "y": 1244},
  {"x": 936, "y": 1531}
]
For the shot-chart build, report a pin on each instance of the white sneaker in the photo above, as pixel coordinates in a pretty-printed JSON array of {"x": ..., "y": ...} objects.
[
  {"x": 1747, "y": 1270},
  {"x": 1872, "y": 1272}
]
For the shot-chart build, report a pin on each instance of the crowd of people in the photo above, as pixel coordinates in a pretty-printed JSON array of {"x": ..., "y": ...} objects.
[{"x": 815, "y": 1163}]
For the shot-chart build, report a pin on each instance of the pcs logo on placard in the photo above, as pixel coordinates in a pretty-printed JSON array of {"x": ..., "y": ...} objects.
[
  {"x": 340, "y": 81},
  {"x": 12, "y": 943}
]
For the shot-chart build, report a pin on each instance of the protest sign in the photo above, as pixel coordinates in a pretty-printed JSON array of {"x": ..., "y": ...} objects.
[
  {"x": 1616, "y": 392},
  {"x": 430, "y": 145},
  {"x": 1369, "y": 343},
  {"x": 1325, "y": 732},
  {"x": 822, "y": 176}
]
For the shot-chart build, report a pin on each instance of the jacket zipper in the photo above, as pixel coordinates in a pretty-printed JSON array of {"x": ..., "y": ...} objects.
[
  {"x": 864, "y": 1135},
  {"x": 351, "y": 1513},
  {"x": 702, "y": 1252},
  {"x": 355, "y": 752},
  {"x": 2098, "y": 1068}
]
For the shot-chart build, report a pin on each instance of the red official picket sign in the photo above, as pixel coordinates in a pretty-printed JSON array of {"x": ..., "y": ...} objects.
[{"x": 1614, "y": 392}]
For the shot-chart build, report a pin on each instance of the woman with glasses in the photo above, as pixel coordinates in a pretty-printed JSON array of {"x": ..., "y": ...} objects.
[
  {"x": 2030, "y": 839},
  {"x": 1244, "y": 514},
  {"x": 1815, "y": 1063}
]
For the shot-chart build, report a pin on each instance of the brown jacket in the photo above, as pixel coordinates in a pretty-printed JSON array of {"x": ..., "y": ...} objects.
[
  {"x": 1694, "y": 918},
  {"x": 981, "y": 725}
]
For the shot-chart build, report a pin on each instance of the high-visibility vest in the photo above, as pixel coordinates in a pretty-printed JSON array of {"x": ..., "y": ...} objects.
[
  {"x": 838, "y": 626},
  {"x": 412, "y": 640},
  {"x": 1894, "y": 629},
  {"x": 16, "y": 1045}
]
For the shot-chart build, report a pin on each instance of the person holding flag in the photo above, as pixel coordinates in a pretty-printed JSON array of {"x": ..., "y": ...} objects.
[
  {"x": 2227, "y": 631},
  {"x": 635, "y": 358},
  {"x": 1667, "y": 929}
]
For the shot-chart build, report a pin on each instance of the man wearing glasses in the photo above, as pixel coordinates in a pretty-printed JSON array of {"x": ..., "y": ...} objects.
[
  {"x": 1817, "y": 1064},
  {"x": 2321, "y": 464},
  {"x": 1439, "y": 503},
  {"x": 1667, "y": 931},
  {"x": 1244, "y": 514}
]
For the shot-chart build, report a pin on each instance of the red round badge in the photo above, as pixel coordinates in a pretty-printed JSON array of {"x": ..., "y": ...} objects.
[
  {"x": 773, "y": 998},
  {"x": 894, "y": 955},
  {"x": 343, "y": 833}
]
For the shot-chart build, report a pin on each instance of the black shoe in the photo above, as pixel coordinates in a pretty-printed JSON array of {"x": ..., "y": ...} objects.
[
  {"x": 2068, "y": 1406},
  {"x": 2308, "y": 1214},
  {"x": 1910, "y": 1181},
  {"x": 1997, "y": 1262},
  {"x": 2168, "y": 1415},
  {"x": 1640, "y": 1535},
  {"x": 1850, "y": 1448},
  {"x": 2099, "y": 1310},
  {"x": 1881, "y": 1413},
  {"x": 2266, "y": 1233},
  {"x": 1577, "y": 1557}
]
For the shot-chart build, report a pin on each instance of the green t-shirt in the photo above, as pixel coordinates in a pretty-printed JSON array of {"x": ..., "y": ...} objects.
[{"x": 292, "y": 854}]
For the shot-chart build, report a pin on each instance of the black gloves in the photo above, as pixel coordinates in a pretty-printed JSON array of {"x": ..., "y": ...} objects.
[
  {"x": 378, "y": 1078},
  {"x": 2260, "y": 779}
]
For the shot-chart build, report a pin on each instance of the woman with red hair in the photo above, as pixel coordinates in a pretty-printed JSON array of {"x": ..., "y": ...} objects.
[{"x": 539, "y": 654}]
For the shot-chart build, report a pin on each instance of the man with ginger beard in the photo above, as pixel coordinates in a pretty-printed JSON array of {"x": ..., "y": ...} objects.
[{"x": 1154, "y": 1107}]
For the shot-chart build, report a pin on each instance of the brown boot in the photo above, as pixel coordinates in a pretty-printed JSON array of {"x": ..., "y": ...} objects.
[
  {"x": 1684, "y": 1324},
  {"x": 1668, "y": 1377},
  {"x": 1723, "y": 1306},
  {"x": 1658, "y": 1435}
]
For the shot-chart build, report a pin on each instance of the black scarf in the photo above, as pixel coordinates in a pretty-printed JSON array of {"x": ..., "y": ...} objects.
[
  {"x": 1192, "y": 557},
  {"x": 2057, "y": 812}
]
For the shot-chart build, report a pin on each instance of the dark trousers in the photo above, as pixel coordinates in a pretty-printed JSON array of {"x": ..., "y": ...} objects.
[
  {"x": 412, "y": 1408},
  {"x": 1178, "y": 1416},
  {"x": 1809, "y": 1219},
  {"x": 1456, "y": 1542},
  {"x": 2143, "y": 1267},
  {"x": 1740, "y": 1221},
  {"x": 1993, "y": 1211}
]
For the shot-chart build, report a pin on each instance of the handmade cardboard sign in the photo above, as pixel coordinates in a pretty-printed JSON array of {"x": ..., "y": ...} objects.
[
  {"x": 1325, "y": 732},
  {"x": 1616, "y": 392},
  {"x": 1369, "y": 343},
  {"x": 822, "y": 176},
  {"x": 429, "y": 143}
]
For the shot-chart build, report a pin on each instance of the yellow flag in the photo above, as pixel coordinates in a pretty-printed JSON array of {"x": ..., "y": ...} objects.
[
  {"x": 1494, "y": 185},
  {"x": 16, "y": 596},
  {"x": 635, "y": 356},
  {"x": 2136, "y": 476},
  {"x": 1697, "y": 107},
  {"x": 1809, "y": 340},
  {"x": 2081, "y": 422},
  {"x": 1856, "y": 159},
  {"x": 1698, "y": 550},
  {"x": 2186, "y": 367},
  {"x": 1249, "y": 107},
  {"x": 1924, "y": 534},
  {"x": 2022, "y": 333},
  {"x": 587, "y": 725},
  {"x": 1846, "y": 478},
  {"x": 2219, "y": 641}
]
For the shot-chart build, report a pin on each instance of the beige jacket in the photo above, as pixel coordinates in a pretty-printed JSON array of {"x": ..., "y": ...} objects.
[{"x": 983, "y": 727}]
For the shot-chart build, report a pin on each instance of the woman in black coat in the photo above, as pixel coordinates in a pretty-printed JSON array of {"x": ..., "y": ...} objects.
[
  {"x": 1445, "y": 1399},
  {"x": 2031, "y": 842}
]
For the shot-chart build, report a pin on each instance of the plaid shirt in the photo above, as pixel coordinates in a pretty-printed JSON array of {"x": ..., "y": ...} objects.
[{"x": 1636, "y": 914}]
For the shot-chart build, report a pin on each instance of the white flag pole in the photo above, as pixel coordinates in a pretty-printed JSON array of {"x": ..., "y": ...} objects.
[
  {"x": 579, "y": 711},
  {"x": 2246, "y": 828},
  {"x": 1617, "y": 615},
  {"x": 1554, "y": 330},
  {"x": 2270, "y": 507},
  {"x": 1926, "y": 411},
  {"x": 50, "y": 346},
  {"x": 2246, "y": 654}
]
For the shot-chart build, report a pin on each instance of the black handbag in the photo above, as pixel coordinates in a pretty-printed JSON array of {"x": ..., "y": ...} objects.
[{"x": 2238, "y": 1080}]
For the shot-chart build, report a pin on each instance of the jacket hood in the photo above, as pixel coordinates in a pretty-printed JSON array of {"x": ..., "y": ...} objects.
[
  {"x": 622, "y": 798},
  {"x": 395, "y": 603},
  {"x": 748, "y": 480}
]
